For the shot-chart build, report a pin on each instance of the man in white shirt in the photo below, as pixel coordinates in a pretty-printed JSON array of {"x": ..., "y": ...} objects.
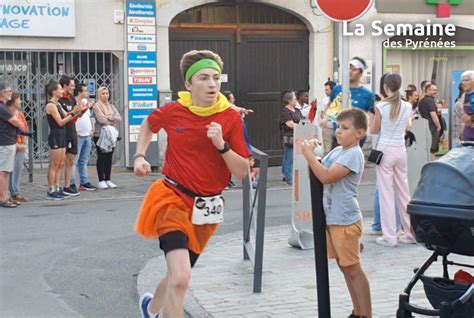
[
  {"x": 84, "y": 136},
  {"x": 302, "y": 96}
]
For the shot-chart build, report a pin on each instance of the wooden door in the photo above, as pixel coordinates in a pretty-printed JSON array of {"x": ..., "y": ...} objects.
[{"x": 268, "y": 64}]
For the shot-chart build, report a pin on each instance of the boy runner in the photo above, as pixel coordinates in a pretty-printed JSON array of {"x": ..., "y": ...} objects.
[{"x": 205, "y": 145}]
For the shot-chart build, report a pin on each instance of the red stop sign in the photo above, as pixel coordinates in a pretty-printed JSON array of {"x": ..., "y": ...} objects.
[{"x": 343, "y": 10}]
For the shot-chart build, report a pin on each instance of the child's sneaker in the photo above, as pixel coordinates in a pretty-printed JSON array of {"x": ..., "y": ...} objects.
[{"x": 143, "y": 305}]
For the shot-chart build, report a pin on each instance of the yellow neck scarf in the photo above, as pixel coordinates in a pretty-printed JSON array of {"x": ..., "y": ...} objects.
[{"x": 186, "y": 101}]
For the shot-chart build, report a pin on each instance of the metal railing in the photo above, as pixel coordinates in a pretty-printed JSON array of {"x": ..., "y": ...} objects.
[{"x": 254, "y": 219}]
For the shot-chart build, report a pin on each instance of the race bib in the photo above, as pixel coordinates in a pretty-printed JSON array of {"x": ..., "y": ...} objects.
[{"x": 208, "y": 210}]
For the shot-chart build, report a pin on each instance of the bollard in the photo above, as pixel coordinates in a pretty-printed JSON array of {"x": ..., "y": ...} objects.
[{"x": 320, "y": 249}]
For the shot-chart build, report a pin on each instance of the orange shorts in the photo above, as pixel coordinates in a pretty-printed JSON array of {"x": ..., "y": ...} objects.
[
  {"x": 343, "y": 243},
  {"x": 163, "y": 211}
]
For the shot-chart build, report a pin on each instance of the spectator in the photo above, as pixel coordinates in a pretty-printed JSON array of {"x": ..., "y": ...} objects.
[
  {"x": 8, "y": 130},
  {"x": 428, "y": 110},
  {"x": 106, "y": 115},
  {"x": 341, "y": 172},
  {"x": 460, "y": 91},
  {"x": 57, "y": 118},
  {"x": 360, "y": 97},
  {"x": 392, "y": 117},
  {"x": 423, "y": 86},
  {"x": 376, "y": 224},
  {"x": 243, "y": 112},
  {"x": 327, "y": 131},
  {"x": 68, "y": 102},
  {"x": 328, "y": 87},
  {"x": 14, "y": 105},
  {"x": 302, "y": 97},
  {"x": 467, "y": 117},
  {"x": 458, "y": 111},
  {"x": 254, "y": 172},
  {"x": 230, "y": 97},
  {"x": 411, "y": 87},
  {"x": 412, "y": 98},
  {"x": 84, "y": 135},
  {"x": 290, "y": 115}
]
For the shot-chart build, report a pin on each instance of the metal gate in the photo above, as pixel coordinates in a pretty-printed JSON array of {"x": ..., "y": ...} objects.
[{"x": 27, "y": 72}]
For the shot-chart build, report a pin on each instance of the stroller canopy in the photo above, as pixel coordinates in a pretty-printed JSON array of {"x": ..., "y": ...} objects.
[{"x": 449, "y": 183}]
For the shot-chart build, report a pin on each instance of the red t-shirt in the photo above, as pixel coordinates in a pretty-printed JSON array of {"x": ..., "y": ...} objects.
[{"x": 191, "y": 158}]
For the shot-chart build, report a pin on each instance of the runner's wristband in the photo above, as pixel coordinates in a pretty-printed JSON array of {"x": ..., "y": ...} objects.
[{"x": 225, "y": 149}]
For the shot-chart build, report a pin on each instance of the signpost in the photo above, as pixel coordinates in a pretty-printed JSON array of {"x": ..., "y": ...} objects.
[
  {"x": 338, "y": 11},
  {"x": 141, "y": 69}
]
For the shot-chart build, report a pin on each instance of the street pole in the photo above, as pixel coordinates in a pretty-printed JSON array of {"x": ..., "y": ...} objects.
[
  {"x": 320, "y": 249},
  {"x": 344, "y": 40}
]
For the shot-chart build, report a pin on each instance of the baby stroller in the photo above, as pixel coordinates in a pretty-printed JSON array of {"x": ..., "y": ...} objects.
[{"x": 442, "y": 217}]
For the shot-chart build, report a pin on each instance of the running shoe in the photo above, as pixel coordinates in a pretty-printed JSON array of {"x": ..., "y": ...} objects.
[
  {"x": 87, "y": 187},
  {"x": 102, "y": 185},
  {"x": 64, "y": 194},
  {"x": 71, "y": 192},
  {"x": 110, "y": 184},
  {"x": 143, "y": 305},
  {"x": 55, "y": 196}
]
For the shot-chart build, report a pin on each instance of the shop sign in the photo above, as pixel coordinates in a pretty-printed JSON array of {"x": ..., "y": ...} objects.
[{"x": 38, "y": 18}]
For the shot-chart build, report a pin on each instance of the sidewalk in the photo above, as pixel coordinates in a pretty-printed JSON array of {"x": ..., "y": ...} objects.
[
  {"x": 221, "y": 285},
  {"x": 132, "y": 187}
]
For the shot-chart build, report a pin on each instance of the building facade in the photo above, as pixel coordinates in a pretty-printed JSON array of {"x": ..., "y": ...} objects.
[{"x": 267, "y": 46}]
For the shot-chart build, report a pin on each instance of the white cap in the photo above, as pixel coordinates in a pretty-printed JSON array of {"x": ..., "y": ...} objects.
[{"x": 357, "y": 64}]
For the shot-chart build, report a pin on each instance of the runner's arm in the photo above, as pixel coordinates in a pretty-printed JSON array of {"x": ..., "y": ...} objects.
[
  {"x": 141, "y": 167},
  {"x": 144, "y": 137},
  {"x": 237, "y": 164}
]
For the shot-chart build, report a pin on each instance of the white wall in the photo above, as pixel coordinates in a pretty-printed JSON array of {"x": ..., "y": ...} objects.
[{"x": 95, "y": 30}]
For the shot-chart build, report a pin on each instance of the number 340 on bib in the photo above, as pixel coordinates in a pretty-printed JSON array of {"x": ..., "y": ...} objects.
[{"x": 208, "y": 210}]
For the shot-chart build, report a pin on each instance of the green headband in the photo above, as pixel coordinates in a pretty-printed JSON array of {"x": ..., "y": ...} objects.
[{"x": 199, "y": 65}]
